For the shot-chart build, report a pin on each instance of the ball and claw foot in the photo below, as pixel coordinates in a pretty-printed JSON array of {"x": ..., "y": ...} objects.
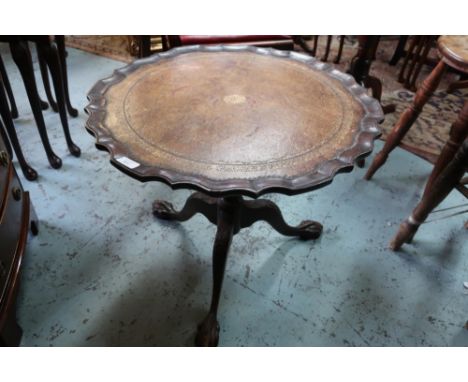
[
  {"x": 310, "y": 230},
  {"x": 208, "y": 332},
  {"x": 163, "y": 210}
]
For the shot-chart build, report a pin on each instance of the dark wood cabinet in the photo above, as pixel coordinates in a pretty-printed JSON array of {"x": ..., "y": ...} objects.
[{"x": 16, "y": 217}]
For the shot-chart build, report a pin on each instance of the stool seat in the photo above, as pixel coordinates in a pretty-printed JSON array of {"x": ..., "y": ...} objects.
[{"x": 454, "y": 51}]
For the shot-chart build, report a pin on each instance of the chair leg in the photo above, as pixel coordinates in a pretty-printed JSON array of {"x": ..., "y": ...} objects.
[
  {"x": 327, "y": 48},
  {"x": 407, "y": 118},
  {"x": 434, "y": 195},
  {"x": 6, "y": 83},
  {"x": 60, "y": 40},
  {"x": 458, "y": 133},
  {"x": 421, "y": 61},
  {"x": 28, "y": 171},
  {"x": 399, "y": 51},
  {"x": 45, "y": 80},
  {"x": 314, "y": 49},
  {"x": 409, "y": 54},
  {"x": 415, "y": 59},
  {"x": 340, "y": 50},
  {"x": 50, "y": 53},
  {"x": 22, "y": 57}
]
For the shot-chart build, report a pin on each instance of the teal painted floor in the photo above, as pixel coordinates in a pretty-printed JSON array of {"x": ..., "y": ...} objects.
[{"x": 104, "y": 272}]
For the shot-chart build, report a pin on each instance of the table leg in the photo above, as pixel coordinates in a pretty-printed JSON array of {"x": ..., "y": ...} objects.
[
  {"x": 230, "y": 214},
  {"x": 28, "y": 171},
  {"x": 360, "y": 68},
  {"x": 49, "y": 52},
  {"x": 196, "y": 203},
  {"x": 22, "y": 57},
  {"x": 45, "y": 79},
  {"x": 60, "y": 40},
  {"x": 228, "y": 225},
  {"x": 6, "y": 83},
  {"x": 256, "y": 210}
]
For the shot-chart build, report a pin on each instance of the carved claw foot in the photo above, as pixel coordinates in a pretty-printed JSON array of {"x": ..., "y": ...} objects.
[
  {"x": 310, "y": 230},
  {"x": 163, "y": 210},
  {"x": 208, "y": 332}
]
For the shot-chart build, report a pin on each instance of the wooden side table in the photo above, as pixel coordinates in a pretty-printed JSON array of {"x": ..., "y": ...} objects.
[{"x": 228, "y": 122}]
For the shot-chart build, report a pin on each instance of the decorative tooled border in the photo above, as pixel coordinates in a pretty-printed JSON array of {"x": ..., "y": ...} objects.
[{"x": 319, "y": 177}]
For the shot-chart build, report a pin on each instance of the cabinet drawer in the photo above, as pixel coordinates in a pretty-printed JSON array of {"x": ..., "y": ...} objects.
[{"x": 11, "y": 222}]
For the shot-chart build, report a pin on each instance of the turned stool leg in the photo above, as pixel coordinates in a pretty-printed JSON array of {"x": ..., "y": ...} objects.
[
  {"x": 458, "y": 133},
  {"x": 407, "y": 118},
  {"x": 228, "y": 225},
  {"x": 441, "y": 187}
]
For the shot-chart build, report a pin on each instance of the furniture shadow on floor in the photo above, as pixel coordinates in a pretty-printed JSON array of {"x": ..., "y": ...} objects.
[{"x": 161, "y": 313}]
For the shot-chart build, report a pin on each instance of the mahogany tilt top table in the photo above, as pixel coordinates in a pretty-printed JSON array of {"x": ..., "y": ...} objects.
[{"x": 232, "y": 121}]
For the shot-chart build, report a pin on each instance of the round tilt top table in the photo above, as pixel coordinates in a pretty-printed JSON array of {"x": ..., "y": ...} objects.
[{"x": 228, "y": 122}]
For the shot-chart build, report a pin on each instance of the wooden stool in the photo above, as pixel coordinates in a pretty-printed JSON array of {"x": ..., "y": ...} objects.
[
  {"x": 447, "y": 180},
  {"x": 454, "y": 53}
]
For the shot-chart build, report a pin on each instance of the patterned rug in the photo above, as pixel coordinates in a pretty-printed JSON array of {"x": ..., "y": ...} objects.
[{"x": 431, "y": 130}]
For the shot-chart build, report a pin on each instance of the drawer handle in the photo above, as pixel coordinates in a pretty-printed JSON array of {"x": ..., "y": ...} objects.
[
  {"x": 16, "y": 193},
  {"x": 3, "y": 158}
]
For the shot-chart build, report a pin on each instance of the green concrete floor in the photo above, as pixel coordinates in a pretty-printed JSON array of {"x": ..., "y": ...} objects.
[{"x": 104, "y": 272}]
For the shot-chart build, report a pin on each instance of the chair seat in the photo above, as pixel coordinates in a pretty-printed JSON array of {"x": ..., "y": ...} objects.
[{"x": 230, "y": 39}]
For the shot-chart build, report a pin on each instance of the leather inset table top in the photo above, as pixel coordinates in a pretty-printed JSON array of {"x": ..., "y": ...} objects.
[{"x": 228, "y": 119}]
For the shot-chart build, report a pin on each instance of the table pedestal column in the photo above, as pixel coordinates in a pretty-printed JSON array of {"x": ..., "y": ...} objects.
[{"x": 230, "y": 214}]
